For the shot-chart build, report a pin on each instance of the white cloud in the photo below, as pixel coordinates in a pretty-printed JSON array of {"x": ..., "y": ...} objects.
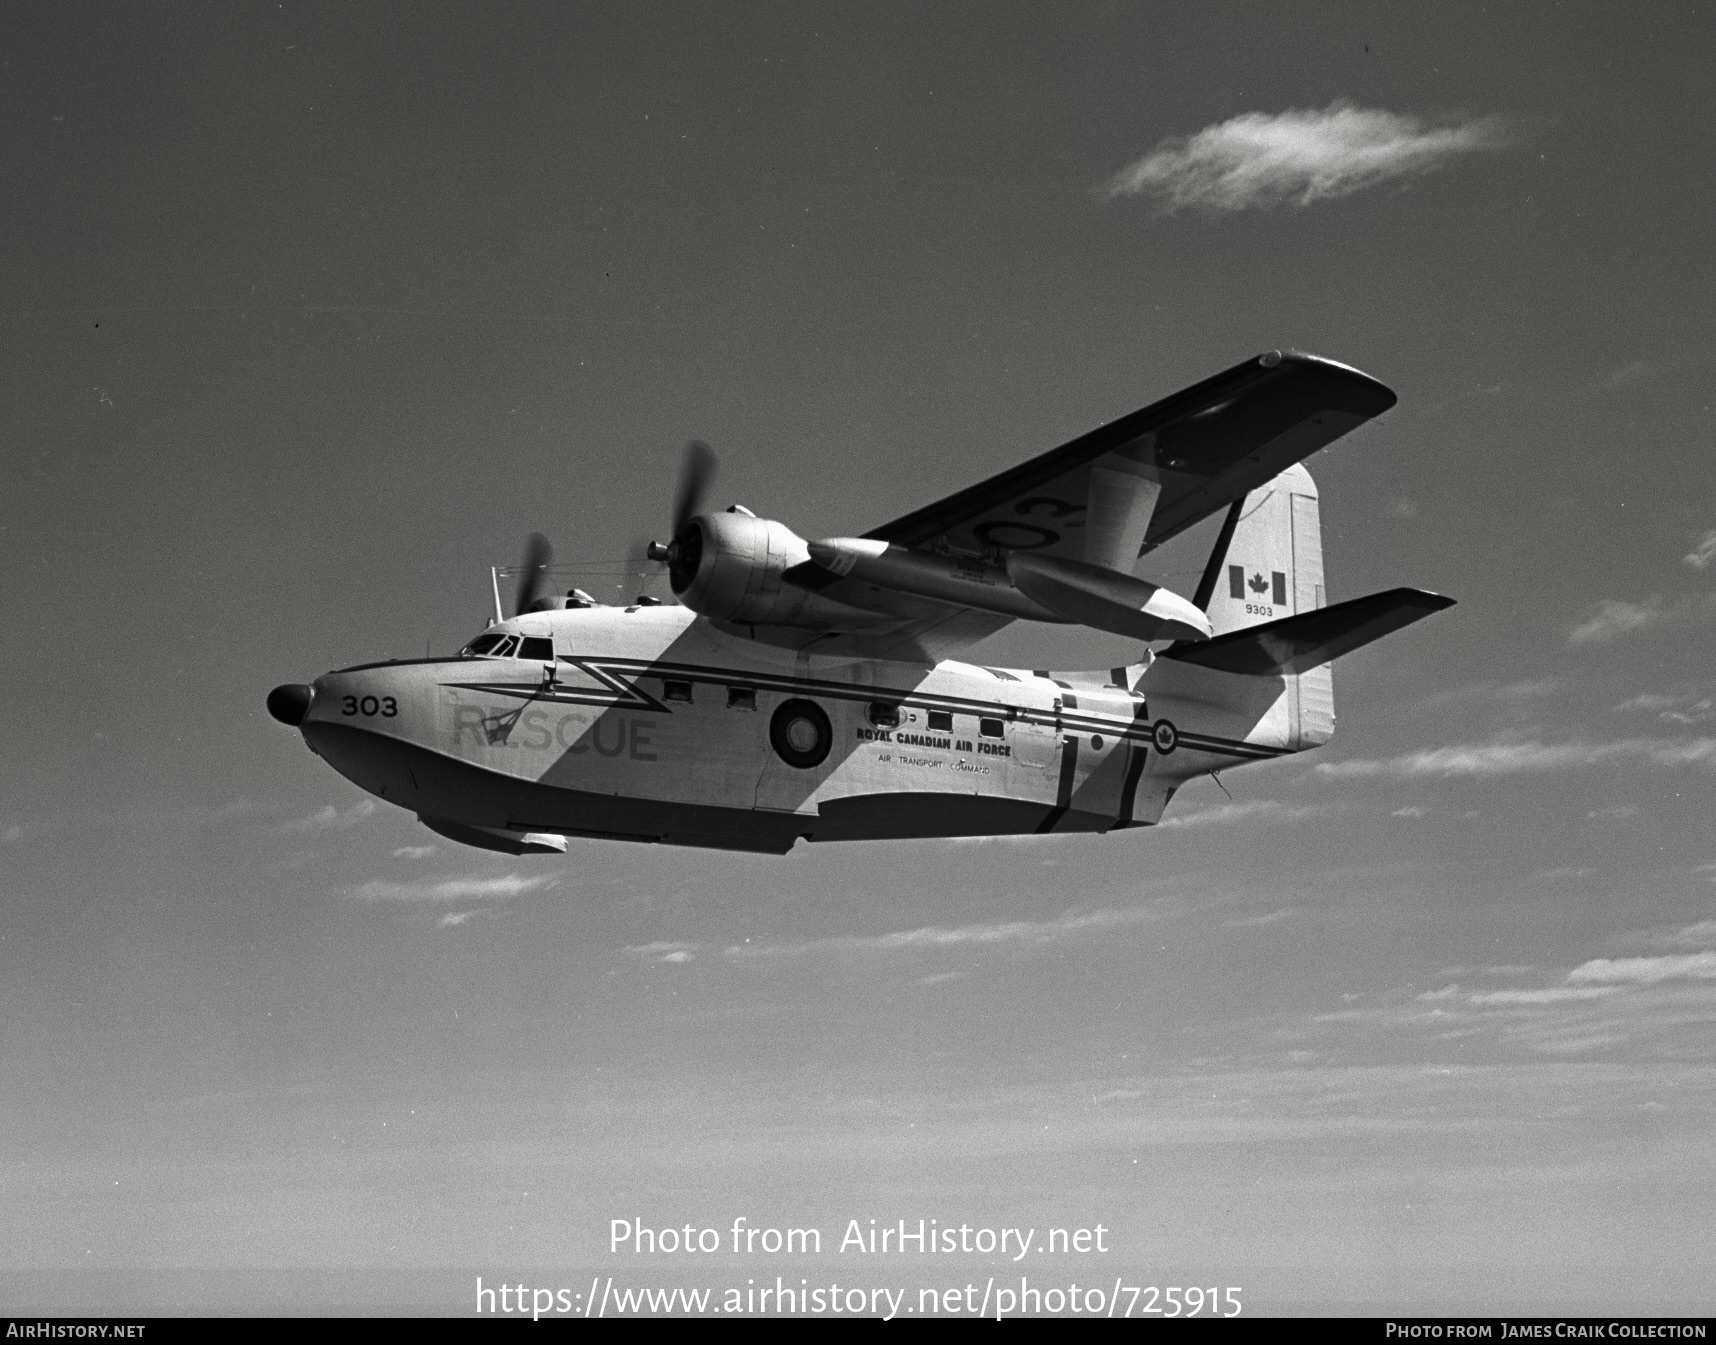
[
  {"x": 1512, "y": 758},
  {"x": 1647, "y": 970},
  {"x": 663, "y": 951},
  {"x": 455, "y": 919},
  {"x": 932, "y": 937},
  {"x": 330, "y": 818},
  {"x": 1409, "y": 811},
  {"x": 455, "y": 889},
  {"x": 1224, "y": 813},
  {"x": 1609, "y": 619},
  {"x": 1258, "y": 921},
  {"x": 1649, "y": 701},
  {"x": 1262, "y": 160},
  {"x": 414, "y": 852},
  {"x": 1612, "y": 619},
  {"x": 1558, "y": 994},
  {"x": 1703, "y": 556},
  {"x": 11, "y": 835},
  {"x": 1618, "y": 813}
]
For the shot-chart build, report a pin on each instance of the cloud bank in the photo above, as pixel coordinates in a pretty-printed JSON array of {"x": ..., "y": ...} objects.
[
  {"x": 1513, "y": 758},
  {"x": 330, "y": 818},
  {"x": 932, "y": 937},
  {"x": 455, "y": 889},
  {"x": 1260, "y": 160}
]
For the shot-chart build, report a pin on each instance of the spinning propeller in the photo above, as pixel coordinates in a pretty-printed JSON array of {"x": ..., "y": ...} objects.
[
  {"x": 533, "y": 576},
  {"x": 696, "y": 474}
]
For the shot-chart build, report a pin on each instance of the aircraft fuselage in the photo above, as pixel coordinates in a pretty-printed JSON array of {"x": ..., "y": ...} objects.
[{"x": 651, "y": 723}]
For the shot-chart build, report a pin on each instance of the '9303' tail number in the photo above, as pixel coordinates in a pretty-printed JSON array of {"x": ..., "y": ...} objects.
[{"x": 385, "y": 706}]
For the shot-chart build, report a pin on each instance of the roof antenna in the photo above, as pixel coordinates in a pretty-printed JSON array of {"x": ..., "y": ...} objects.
[{"x": 1216, "y": 776}]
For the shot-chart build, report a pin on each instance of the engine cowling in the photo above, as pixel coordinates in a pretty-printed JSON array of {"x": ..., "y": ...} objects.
[{"x": 728, "y": 566}]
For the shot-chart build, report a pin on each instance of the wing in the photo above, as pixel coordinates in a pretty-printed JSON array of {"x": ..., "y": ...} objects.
[{"x": 1113, "y": 494}]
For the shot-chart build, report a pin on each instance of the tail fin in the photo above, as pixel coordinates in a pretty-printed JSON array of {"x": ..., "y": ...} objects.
[{"x": 1271, "y": 567}]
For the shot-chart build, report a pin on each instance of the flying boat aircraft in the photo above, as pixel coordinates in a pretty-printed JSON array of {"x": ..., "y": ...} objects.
[{"x": 817, "y": 690}]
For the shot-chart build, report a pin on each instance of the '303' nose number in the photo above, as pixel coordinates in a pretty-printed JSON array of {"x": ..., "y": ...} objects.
[{"x": 385, "y": 706}]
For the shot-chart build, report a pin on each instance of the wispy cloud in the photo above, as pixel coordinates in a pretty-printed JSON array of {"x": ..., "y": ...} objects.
[
  {"x": 1261, "y": 160},
  {"x": 1252, "y": 809},
  {"x": 1609, "y": 619},
  {"x": 456, "y": 889},
  {"x": 1659, "y": 1001},
  {"x": 1555, "y": 994},
  {"x": 1513, "y": 758},
  {"x": 1629, "y": 373},
  {"x": 457, "y": 919},
  {"x": 1261, "y": 921},
  {"x": 1612, "y": 619},
  {"x": 932, "y": 937},
  {"x": 330, "y": 818},
  {"x": 1703, "y": 556},
  {"x": 1647, "y": 970},
  {"x": 663, "y": 951},
  {"x": 414, "y": 852}
]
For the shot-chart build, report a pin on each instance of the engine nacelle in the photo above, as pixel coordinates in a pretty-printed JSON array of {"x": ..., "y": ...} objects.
[{"x": 729, "y": 567}]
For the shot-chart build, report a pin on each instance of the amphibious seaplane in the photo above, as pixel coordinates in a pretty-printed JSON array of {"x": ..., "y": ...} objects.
[{"x": 813, "y": 689}]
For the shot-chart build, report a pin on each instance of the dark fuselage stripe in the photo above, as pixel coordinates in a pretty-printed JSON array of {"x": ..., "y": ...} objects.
[
  {"x": 1134, "y": 773},
  {"x": 1063, "y": 795},
  {"x": 607, "y": 671}
]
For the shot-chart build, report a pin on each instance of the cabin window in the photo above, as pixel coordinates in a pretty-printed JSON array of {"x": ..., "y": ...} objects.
[
  {"x": 885, "y": 714},
  {"x": 676, "y": 691},
  {"x": 991, "y": 728},
  {"x": 741, "y": 698},
  {"x": 941, "y": 721},
  {"x": 538, "y": 647}
]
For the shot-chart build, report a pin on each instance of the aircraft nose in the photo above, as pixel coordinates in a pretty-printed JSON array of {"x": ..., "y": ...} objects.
[{"x": 290, "y": 703}]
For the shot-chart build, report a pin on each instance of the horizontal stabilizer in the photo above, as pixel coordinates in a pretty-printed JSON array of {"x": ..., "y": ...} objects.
[{"x": 1296, "y": 644}]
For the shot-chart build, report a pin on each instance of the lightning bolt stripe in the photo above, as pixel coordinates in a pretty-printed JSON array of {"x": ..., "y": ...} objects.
[{"x": 618, "y": 677}]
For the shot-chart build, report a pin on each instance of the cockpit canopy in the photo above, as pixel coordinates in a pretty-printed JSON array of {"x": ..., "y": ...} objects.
[{"x": 499, "y": 644}]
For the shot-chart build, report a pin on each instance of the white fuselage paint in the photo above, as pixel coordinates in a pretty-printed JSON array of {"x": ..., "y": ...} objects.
[{"x": 608, "y": 722}]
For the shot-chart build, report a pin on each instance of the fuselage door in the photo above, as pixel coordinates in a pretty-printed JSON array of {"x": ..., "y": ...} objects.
[{"x": 1037, "y": 745}]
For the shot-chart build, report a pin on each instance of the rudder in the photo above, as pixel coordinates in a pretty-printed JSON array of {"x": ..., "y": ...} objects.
[{"x": 1272, "y": 567}]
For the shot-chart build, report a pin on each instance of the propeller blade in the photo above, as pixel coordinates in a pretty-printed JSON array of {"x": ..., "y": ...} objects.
[
  {"x": 696, "y": 475},
  {"x": 533, "y": 572}
]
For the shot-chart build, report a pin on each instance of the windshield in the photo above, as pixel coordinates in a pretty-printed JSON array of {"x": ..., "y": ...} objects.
[
  {"x": 494, "y": 646},
  {"x": 501, "y": 645}
]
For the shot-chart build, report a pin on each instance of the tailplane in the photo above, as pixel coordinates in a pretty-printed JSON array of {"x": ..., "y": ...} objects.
[{"x": 1299, "y": 645}]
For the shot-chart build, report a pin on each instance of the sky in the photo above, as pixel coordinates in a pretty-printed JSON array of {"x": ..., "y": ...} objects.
[{"x": 311, "y": 313}]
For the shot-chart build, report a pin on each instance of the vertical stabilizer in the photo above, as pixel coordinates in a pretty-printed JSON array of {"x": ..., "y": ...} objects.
[{"x": 1272, "y": 567}]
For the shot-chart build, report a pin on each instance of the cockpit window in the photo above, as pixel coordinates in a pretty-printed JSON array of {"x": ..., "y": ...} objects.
[
  {"x": 538, "y": 647},
  {"x": 484, "y": 644},
  {"x": 507, "y": 647}
]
